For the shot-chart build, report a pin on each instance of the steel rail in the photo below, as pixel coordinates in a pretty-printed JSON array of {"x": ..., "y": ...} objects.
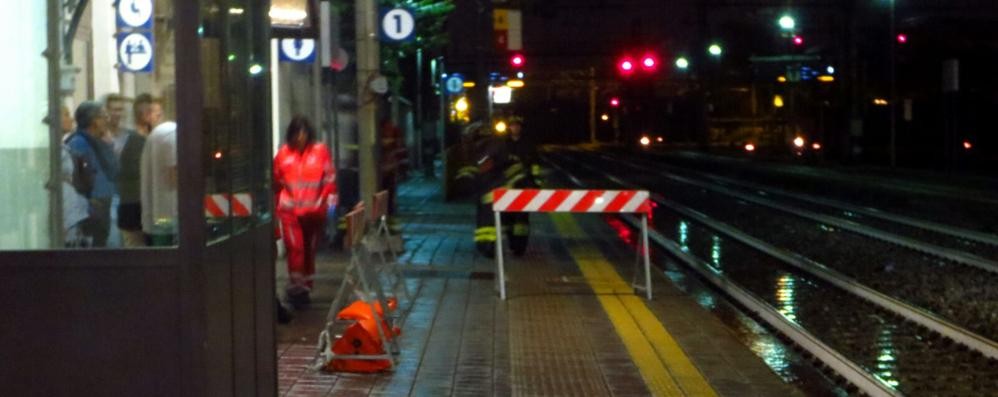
[
  {"x": 975, "y": 195},
  {"x": 868, "y": 231},
  {"x": 929, "y": 320},
  {"x": 949, "y": 230},
  {"x": 852, "y": 372}
]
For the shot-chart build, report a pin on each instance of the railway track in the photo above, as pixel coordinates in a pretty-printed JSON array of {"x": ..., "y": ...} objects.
[
  {"x": 919, "y": 273},
  {"x": 880, "y": 344}
]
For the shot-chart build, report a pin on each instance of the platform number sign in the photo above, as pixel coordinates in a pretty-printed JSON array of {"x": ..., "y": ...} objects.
[
  {"x": 397, "y": 24},
  {"x": 135, "y": 52},
  {"x": 134, "y": 14}
]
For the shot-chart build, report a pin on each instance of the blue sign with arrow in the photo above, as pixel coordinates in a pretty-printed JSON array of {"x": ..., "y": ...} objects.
[{"x": 297, "y": 50}]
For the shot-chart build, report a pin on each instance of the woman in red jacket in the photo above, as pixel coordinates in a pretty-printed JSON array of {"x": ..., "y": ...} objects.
[{"x": 305, "y": 187}]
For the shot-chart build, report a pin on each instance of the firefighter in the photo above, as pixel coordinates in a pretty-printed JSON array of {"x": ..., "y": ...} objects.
[
  {"x": 464, "y": 156},
  {"x": 510, "y": 162},
  {"x": 523, "y": 173}
]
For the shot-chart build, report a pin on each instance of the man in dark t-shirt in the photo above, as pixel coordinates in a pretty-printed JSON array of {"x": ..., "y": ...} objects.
[{"x": 148, "y": 113}]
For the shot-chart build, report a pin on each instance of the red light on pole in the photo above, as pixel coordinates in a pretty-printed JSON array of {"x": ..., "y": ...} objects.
[
  {"x": 517, "y": 60},
  {"x": 902, "y": 38},
  {"x": 798, "y": 40},
  {"x": 615, "y": 102}
]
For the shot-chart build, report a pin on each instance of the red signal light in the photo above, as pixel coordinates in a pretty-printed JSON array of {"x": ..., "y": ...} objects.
[
  {"x": 902, "y": 38},
  {"x": 649, "y": 62},
  {"x": 798, "y": 40},
  {"x": 626, "y": 66},
  {"x": 615, "y": 102},
  {"x": 517, "y": 60}
]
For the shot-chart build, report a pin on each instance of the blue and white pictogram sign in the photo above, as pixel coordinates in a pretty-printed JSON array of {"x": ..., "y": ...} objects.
[
  {"x": 297, "y": 50},
  {"x": 135, "y": 14},
  {"x": 135, "y": 52},
  {"x": 454, "y": 84},
  {"x": 397, "y": 24}
]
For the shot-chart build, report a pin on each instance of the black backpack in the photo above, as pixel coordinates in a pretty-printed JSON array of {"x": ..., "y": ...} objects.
[{"x": 84, "y": 173}]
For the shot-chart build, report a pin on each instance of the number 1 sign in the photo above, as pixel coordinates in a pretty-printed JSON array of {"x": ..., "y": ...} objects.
[{"x": 397, "y": 24}]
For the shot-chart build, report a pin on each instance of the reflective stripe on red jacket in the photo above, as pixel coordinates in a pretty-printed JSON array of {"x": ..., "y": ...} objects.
[{"x": 304, "y": 181}]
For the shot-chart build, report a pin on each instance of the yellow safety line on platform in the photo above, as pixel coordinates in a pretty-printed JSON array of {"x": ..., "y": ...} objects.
[{"x": 665, "y": 368}]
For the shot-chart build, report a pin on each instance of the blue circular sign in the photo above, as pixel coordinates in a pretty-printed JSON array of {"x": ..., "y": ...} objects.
[{"x": 454, "y": 84}]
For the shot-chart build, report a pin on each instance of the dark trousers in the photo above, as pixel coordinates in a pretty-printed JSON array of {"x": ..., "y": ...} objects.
[{"x": 98, "y": 225}]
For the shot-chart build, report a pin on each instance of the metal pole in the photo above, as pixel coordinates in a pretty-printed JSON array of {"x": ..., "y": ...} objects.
[
  {"x": 367, "y": 70},
  {"x": 442, "y": 123},
  {"x": 893, "y": 103},
  {"x": 318, "y": 115},
  {"x": 592, "y": 105},
  {"x": 419, "y": 108},
  {"x": 644, "y": 247},
  {"x": 54, "y": 56},
  {"x": 499, "y": 262}
]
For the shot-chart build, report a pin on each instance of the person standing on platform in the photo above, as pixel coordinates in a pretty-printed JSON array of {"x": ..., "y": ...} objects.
[
  {"x": 148, "y": 113},
  {"x": 75, "y": 207},
  {"x": 523, "y": 172},
  {"x": 158, "y": 185},
  {"x": 87, "y": 145},
  {"x": 116, "y": 135},
  {"x": 305, "y": 187},
  {"x": 509, "y": 162}
]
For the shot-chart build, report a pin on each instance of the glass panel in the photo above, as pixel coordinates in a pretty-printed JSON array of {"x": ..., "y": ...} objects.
[
  {"x": 234, "y": 38},
  {"x": 78, "y": 181},
  {"x": 24, "y": 138}
]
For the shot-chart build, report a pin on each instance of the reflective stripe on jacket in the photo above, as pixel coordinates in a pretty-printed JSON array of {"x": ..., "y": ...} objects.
[{"x": 304, "y": 181}]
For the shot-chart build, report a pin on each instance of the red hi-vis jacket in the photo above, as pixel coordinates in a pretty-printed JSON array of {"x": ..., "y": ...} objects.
[{"x": 304, "y": 181}]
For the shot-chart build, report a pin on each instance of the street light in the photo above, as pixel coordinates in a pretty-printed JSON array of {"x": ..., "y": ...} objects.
[
  {"x": 682, "y": 63},
  {"x": 715, "y": 50},
  {"x": 787, "y": 22}
]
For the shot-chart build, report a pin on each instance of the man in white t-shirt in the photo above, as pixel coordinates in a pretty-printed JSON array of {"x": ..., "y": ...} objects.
[{"x": 159, "y": 184}]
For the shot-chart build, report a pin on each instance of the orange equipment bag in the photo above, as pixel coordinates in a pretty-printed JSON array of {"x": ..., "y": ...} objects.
[{"x": 362, "y": 337}]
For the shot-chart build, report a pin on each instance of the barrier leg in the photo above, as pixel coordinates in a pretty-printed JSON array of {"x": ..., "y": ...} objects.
[
  {"x": 378, "y": 298},
  {"x": 396, "y": 266},
  {"x": 499, "y": 262},
  {"x": 646, "y": 253}
]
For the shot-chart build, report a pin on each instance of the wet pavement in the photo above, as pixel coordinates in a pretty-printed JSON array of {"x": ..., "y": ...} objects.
[{"x": 553, "y": 336}]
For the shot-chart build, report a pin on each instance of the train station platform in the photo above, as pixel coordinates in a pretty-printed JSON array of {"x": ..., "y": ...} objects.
[{"x": 571, "y": 326}]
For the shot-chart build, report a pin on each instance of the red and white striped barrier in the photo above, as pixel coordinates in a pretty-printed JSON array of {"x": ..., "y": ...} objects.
[
  {"x": 578, "y": 201},
  {"x": 547, "y": 200},
  {"x": 224, "y": 205}
]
